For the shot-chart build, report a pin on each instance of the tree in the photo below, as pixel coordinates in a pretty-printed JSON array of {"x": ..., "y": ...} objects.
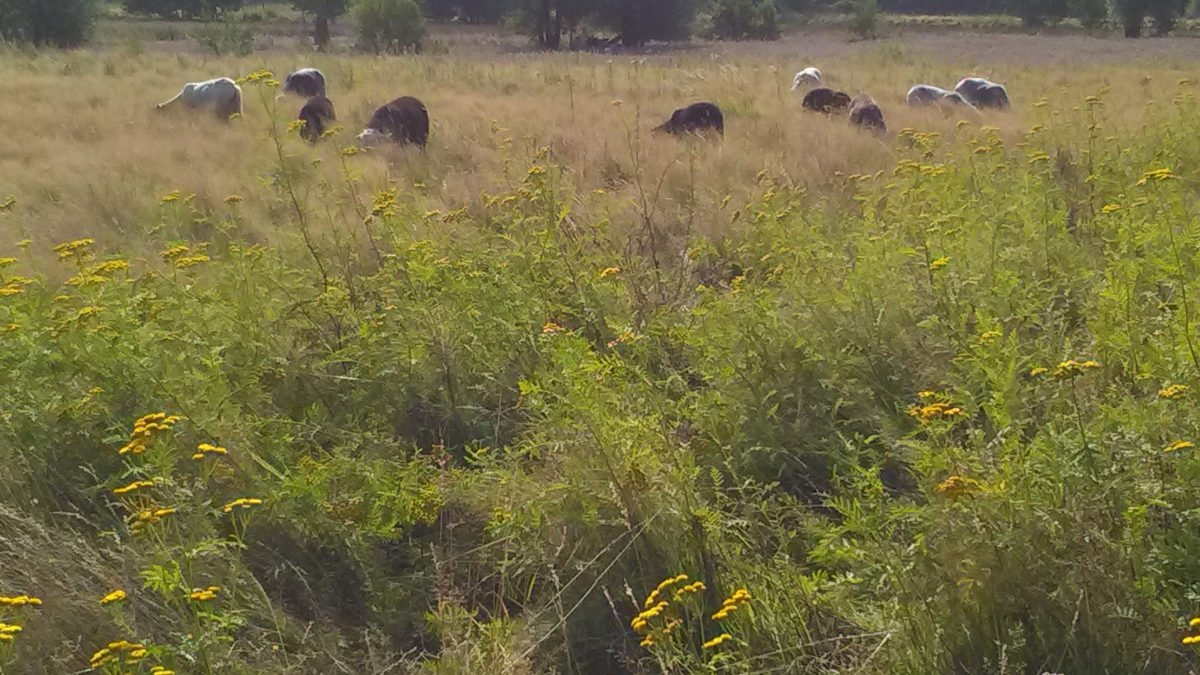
[
  {"x": 323, "y": 12},
  {"x": 546, "y": 20},
  {"x": 185, "y": 9},
  {"x": 392, "y": 26},
  {"x": 744, "y": 20},
  {"x": 62, "y": 23},
  {"x": 1037, "y": 13},
  {"x": 1164, "y": 14},
  {"x": 638, "y": 21},
  {"x": 1091, "y": 13}
]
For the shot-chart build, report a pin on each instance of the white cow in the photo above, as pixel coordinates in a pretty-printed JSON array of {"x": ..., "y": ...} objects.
[
  {"x": 983, "y": 94},
  {"x": 927, "y": 94},
  {"x": 221, "y": 95},
  {"x": 810, "y": 76},
  {"x": 306, "y": 82}
]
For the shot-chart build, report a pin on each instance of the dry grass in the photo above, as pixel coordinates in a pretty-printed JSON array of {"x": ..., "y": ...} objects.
[{"x": 86, "y": 154}]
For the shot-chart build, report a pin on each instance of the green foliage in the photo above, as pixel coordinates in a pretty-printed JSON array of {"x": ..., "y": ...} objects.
[
  {"x": 60, "y": 23},
  {"x": 392, "y": 26},
  {"x": 1038, "y": 13},
  {"x": 864, "y": 17},
  {"x": 187, "y": 9},
  {"x": 743, "y": 20},
  {"x": 936, "y": 419},
  {"x": 1163, "y": 13},
  {"x": 323, "y": 12},
  {"x": 1092, "y": 14},
  {"x": 225, "y": 37}
]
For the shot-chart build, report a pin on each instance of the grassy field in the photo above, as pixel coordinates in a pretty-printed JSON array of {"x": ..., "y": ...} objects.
[{"x": 919, "y": 404}]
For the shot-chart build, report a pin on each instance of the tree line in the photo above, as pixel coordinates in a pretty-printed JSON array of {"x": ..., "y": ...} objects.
[{"x": 553, "y": 24}]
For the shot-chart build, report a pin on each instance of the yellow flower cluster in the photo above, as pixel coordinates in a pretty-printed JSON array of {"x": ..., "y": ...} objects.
[
  {"x": 243, "y": 503},
  {"x": 1173, "y": 392},
  {"x": 144, "y": 430},
  {"x": 182, "y": 256},
  {"x": 957, "y": 486},
  {"x": 1179, "y": 445},
  {"x": 551, "y": 328},
  {"x": 939, "y": 263},
  {"x": 1039, "y": 370},
  {"x": 7, "y": 631},
  {"x": 731, "y": 604},
  {"x": 1071, "y": 368},
  {"x": 205, "y": 449},
  {"x": 20, "y": 601},
  {"x": 653, "y": 607},
  {"x": 159, "y": 670},
  {"x": 1193, "y": 639},
  {"x": 608, "y": 272},
  {"x": 1156, "y": 174},
  {"x": 717, "y": 641},
  {"x": 78, "y": 249},
  {"x": 204, "y": 594},
  {"x": 115, "y": 596},
  {"x": 144, "y": 519},
  {"x": 122, "y": 652},
  {"x": 135, "y": 485},
  {"x": 98, "y": 273},
  {"x": 264, "y": 76},
  {"x": 932, "y": 411}
]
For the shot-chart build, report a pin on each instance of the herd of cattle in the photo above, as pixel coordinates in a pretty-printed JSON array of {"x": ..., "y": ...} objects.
[{"x": 406, "y": 121}]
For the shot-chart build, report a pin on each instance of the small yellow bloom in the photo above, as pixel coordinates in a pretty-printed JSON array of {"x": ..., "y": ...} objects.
[
  {"x": 1038, "y": 371},
  {"x": 939, "y": 263},
  {"x": 1194, "y": 622},
  {"x": 115, "y": 596},
  {"x": 551, "y": 328},
  {"x": 1179, "y": 445},
  {"x": 717, "y": 640},
  {"x": 1173, "y": 392},
  {"x": 608, "y": 272}
]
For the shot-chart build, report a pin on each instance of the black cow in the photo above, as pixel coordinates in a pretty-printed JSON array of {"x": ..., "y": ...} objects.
[{"x": 696, "y": 118}]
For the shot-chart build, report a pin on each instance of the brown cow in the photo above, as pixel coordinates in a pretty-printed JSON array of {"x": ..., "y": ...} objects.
[
  {"x": 696, "y": 118},
  {"x": 866, "y": 114},
  {"x": 315, "y": 114},
  {"x": 826, "y": 100},
  {"x": 404, "y": 120}
]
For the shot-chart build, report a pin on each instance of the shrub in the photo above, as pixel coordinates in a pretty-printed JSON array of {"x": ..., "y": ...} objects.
[
  {"x": 62, "y": 23},
  {"x": 1091, "y": 13},
  {"x": 392, "y": 26},
  {"x": 864, "y": 17},
  {"x": 226, "y": 37},
  {"x": 744, "y": 20}
]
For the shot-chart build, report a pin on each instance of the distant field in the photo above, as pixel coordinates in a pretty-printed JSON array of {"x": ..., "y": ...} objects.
[{"x": 914, "y": 404}]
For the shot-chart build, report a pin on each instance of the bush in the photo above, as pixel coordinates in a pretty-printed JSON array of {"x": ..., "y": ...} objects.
[
  {"x": 187, "y": 9},
  {"x": 864, "y": 17},
  {"x": 1091, "y": 13},
  {"x": 392, "y": 26},
  {"x": 226, "y": 37},
  {"x": 62, "y": 23},
  {"x": 744, "y": 20}
]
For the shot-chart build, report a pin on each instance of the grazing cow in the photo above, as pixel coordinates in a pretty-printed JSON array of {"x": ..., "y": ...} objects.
[
  {"x": 866, "y": 114},
  {"x": 404, "y": 120},
  {"x": 306, "y": 82},
  {"x": 823, "y": 99},
  {"x": 696, "y": 118},
  {"x": 927, "y": 94},
  {"x": 221, "y": 94},
  {"x": 982, "y": 93},
  {"x": 315, "y": 114},
  {"x": 809, "y": 76}
]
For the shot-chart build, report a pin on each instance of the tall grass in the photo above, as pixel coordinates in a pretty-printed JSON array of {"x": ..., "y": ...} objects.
[{"x": 911, "y": 406}]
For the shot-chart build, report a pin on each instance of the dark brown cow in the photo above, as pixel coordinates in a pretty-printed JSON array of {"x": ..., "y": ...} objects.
[
  {"x": 866, "y": 114},
  {"x": 826, "y": 100},
  {"x": 315, "y": 114},
  {"x": 696, "y": 118},
  {"x": 404, "y": 120}
]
